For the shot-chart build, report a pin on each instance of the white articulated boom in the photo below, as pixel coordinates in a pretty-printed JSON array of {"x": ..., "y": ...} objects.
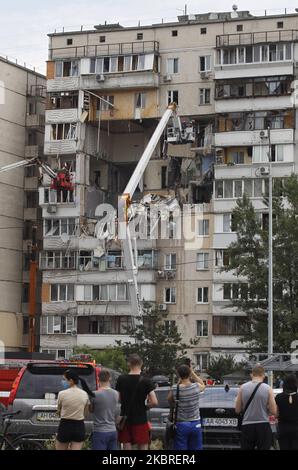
[{"x": 129, "y": 245}]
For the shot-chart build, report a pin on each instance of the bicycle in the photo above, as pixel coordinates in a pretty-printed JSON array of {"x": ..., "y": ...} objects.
[{"x": 21, "y": 442}]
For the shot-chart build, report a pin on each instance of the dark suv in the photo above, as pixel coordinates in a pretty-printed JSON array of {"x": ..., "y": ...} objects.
[
  {"x": 34, "y": 395},
  {"x": 219, "y": 419}
]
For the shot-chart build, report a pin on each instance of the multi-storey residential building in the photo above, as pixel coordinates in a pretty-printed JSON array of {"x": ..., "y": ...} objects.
[
  {"x": 22, "y": 96},
  {"x": 231, "y": 74}
]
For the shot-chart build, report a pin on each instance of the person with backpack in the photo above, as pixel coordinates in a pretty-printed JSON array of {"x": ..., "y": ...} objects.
[
  {"x": 104, "y": 409},
  {"x": 254, "y": 403},
  {"x": 134, "y": 391},
  {"x": 73, "y": 408},
  {"x": 287, "y": 413}
]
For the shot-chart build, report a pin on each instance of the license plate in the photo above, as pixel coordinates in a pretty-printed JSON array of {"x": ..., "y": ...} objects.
[
  {"x": 232, "y": 422},
  {"x": 47, "y": 416}
]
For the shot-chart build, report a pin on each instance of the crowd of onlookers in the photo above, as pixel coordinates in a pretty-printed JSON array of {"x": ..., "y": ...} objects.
[{"x": 254, "y": 404}]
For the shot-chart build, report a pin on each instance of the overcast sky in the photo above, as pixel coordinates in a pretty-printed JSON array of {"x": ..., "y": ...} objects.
[{"x": 24, "y": 24}]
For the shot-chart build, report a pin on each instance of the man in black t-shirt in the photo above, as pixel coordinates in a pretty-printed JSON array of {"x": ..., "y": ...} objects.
[{"x": 134, "y": 390}]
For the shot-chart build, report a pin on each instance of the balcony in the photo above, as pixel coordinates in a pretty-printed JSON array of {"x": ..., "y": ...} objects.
[
  {"x": 49, "y": 196},
  {"x": 249, "y": 138},
  {"x": 118, "y": 81},
  {"x": 62, "y": 115},
  {"x": 35, "y": 121},
  {"x": 124, "y": 48},
  {"x": 54, "y": 147},
  {"x": 101, "y": 341},
  {"x": 259, "y": 37},
  {"x": 63, "y": 84},
  {"x": 279, "y": 169}
]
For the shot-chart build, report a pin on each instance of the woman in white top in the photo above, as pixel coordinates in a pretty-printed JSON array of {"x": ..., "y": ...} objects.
[{"x": 73, "y": 408}]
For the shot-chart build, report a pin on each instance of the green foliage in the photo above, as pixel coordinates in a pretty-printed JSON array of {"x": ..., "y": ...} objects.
[
  {"x": 112, "y": 358},
  {"x": 160, "y": 350},
  {"x": 249, "y": 259},
  {"x": 223, "y": 365}
]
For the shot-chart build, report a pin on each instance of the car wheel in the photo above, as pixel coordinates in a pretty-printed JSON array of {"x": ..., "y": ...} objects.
[{"x": 27, "y": 444}]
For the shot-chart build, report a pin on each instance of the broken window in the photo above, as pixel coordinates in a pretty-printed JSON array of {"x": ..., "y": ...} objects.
[
  {"x": 106, "y": 105},
  {"x": 140, "y": 100},
  {"x": 31, "y": 199},
  {"x": 65, "y": 131},
  {"x": 114, "y": 260}
]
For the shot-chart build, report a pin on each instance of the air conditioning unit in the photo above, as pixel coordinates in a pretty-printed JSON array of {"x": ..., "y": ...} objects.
[
  {"x": 73, "y": 332},
  {"x": 52, "y": 209},
  {"x": 263, "y": 134},
  {"x": 205, "y": 75},
  {"x": 167, "y": 78},
  {"x": 100, "y": 78},
  {"x": 264, "y": 170},
  {"x": 162, "y": 307}
]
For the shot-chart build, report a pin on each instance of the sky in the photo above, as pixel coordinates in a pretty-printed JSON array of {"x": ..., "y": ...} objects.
[{"x": 24, "y": 24}]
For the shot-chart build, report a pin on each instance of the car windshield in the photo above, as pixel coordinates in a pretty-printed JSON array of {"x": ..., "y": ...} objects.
[{"x": 37, "y": 381}]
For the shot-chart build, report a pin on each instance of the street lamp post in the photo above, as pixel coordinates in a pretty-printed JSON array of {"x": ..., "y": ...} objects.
[{"x": 270, "y": 265}]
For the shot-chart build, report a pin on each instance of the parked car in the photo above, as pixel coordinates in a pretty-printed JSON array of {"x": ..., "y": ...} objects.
[
  {"x": 34, "y": 395},
  {"x": 219, "y": 419}
]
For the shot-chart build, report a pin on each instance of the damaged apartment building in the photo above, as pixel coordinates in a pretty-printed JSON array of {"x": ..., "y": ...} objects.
[{"x": 231, "y": 76}]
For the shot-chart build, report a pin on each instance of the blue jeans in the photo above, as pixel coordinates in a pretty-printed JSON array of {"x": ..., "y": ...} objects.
[
  {"x": 104, "y": 441},
  {"x": 188, "y": 436}
]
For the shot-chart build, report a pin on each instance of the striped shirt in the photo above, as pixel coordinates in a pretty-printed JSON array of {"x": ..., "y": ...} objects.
[{"x": 188, "y": 406}]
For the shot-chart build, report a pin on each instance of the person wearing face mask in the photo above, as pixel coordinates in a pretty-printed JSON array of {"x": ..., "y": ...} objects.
[{"x": 73, "y": 408}]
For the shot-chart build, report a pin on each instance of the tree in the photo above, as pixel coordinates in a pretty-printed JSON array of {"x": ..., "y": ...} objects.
[
  {"x": 113, "y": 358},
  {"x": 223, "y": 365},
  {"x": 249, "y": 259},
  {"x": 161, "y": 348}
]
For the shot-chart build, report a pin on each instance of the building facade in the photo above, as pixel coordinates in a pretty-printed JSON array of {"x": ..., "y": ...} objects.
[
  {"x": 22, "y": 97},
  {"x": 232, "y": 75}
]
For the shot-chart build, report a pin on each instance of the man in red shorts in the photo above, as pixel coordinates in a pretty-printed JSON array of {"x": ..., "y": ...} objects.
[{"x": 134, "y": 391}]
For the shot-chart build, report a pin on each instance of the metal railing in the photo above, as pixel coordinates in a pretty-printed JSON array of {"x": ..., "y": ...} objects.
[
  {"x": 123, "y": 48},
  {"x": 250, "y": 39}
]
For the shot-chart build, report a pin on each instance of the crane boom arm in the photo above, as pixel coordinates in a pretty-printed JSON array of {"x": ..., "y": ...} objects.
[{"x": 130, "y": 261}]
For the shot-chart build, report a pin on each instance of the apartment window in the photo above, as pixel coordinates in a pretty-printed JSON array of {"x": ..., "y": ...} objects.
[
  {"x": 237, "y": 157},
  {"x": 170, "y": 326},
  {"x": 65, "y": 131},
  {"x": 52, "y": 325},
  {"x": 222, "y": 258},
  {"x": 227, "y": 325},
  {"x": 203, "y": 295},
  {"x": 25, "y": 325},
  {"x": 258, "y": 53},
  {"x": 140, "y": 100},
  {"x": 146, "y": 259},
  {"x": 203, "y": 30},
  {"x": 170, "y": 295},
  {"x": 114, "y": 260},
  {"x": 202, "y": 361},
  {"x": 277, "y": 153},
  {"x": 164, "y": 174},
  {"x": 69, "y": 42},
  {"x": 174, "y": 32},
  {"x": 106, "y": 293},
  {"x": 203, "y": 228},
  {"x": 202, "y": 328},
  {"x": 239, "y": 27},
  {"x": 67, "y": 69},
  {"x": 139, "y": 36},
  {"x": 113, "y": 325},
  {"x": 173, "y": 66},
  {"x": 57, "y": 227},
  {"x": 205, "y": 63},
  {"x": 170, "y": 261},
  {"x": 31, "y": 199},
  {"x": 30, "y": 171},
  {"x": 62, "y": 292},
  {"x": 280, "y": 24},
  {"x": 26, "y": 261},
  {"x": 228, "y": 223},
  {"x": 102, "y": 39},
  {"x": 202, "y": 261},
  {"x": 204, "y": 96},
  {"x": 173, "y": 97},
  {"x": 58, "y": 260}
]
